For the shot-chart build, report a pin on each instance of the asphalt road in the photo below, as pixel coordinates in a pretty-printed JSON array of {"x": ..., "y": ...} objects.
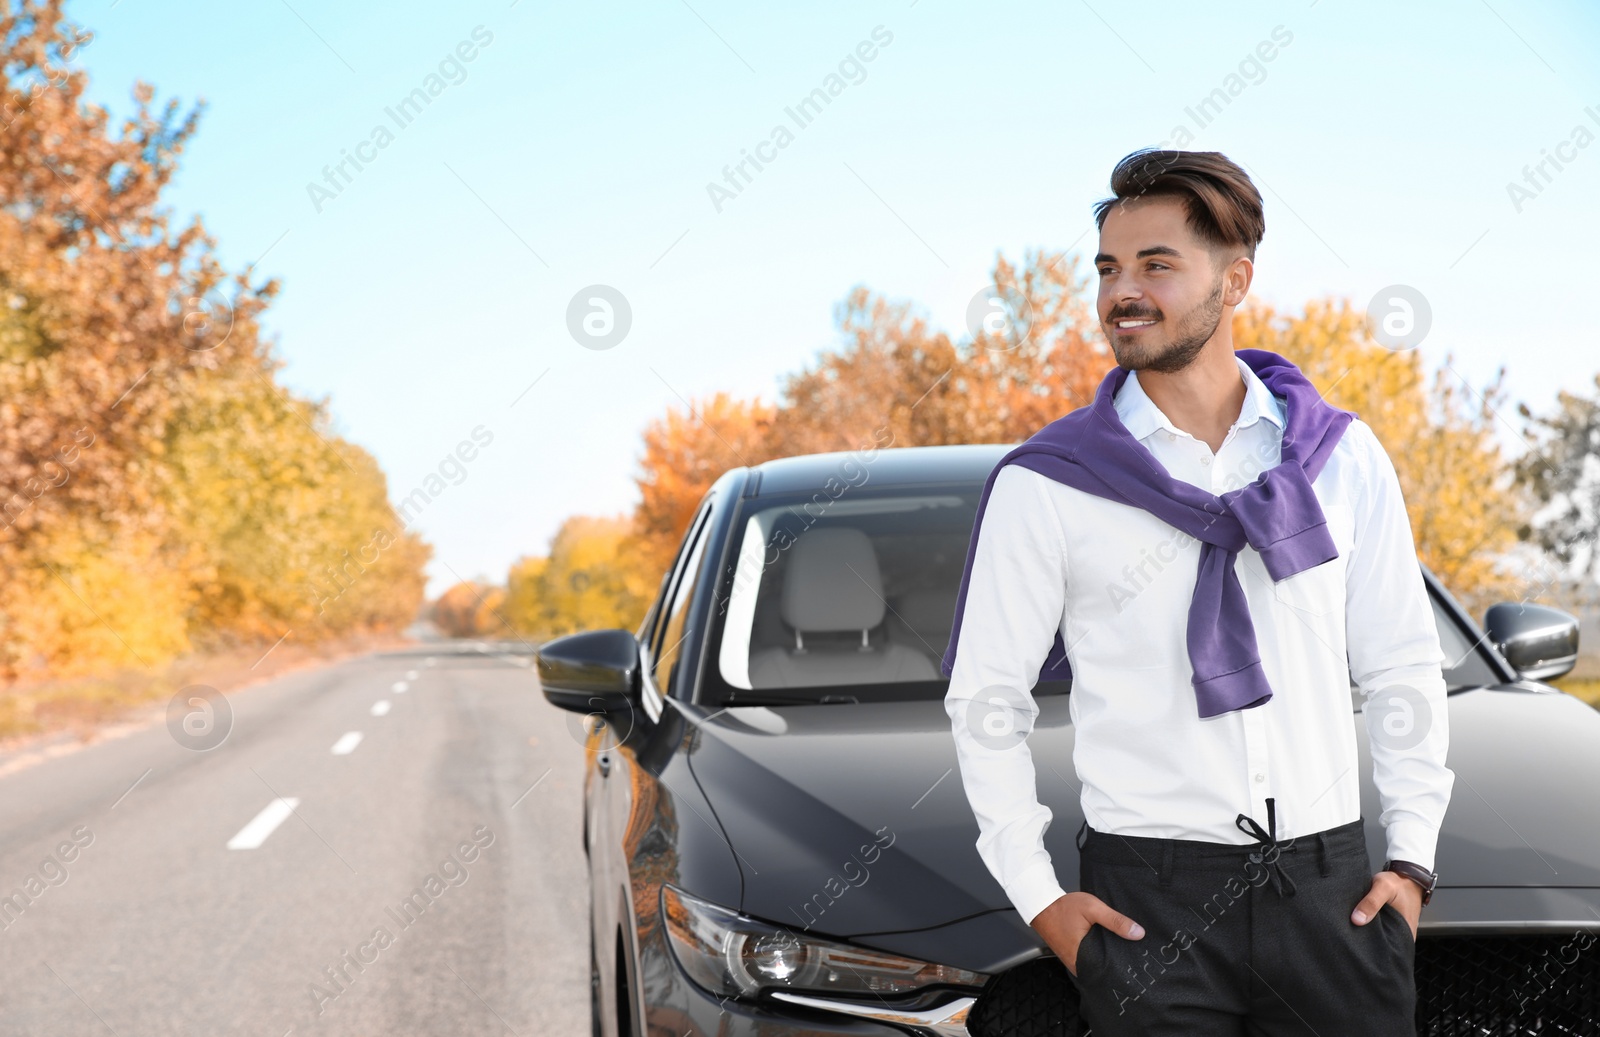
[{"x": 424, "y": 876}]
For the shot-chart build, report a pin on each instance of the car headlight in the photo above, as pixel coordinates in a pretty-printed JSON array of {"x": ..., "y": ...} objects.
[{"x": 736, "y": 955}]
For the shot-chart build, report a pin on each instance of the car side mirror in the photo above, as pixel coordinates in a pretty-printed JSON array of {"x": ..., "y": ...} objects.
[
  {"x": 1540, "y": 643},
  {"x": 596, "y": 671}
]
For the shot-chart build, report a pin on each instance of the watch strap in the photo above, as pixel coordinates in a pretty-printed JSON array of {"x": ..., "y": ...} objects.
[{"x": 1423, "y": 877}]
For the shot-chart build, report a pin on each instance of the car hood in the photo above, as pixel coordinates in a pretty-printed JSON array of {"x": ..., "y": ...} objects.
[
  {"x": 1523, "y": 811},
  {"x": 851, "y": 820}
]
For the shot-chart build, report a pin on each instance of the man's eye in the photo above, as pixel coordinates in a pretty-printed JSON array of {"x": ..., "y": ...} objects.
[{"x": 1158, "y": 266}]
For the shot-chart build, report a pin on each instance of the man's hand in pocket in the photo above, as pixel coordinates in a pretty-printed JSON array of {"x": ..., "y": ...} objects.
[{"x": 1068, "y": 920}]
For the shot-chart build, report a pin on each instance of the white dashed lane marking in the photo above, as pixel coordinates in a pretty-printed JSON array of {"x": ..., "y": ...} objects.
[
  {"x": 400, "y": 687},
  {"x": 263, "y": 824},
  {"x": 380, "y": 708},
  {"x": 347, "y": 743},
  {"x": 411, "y": 675}
]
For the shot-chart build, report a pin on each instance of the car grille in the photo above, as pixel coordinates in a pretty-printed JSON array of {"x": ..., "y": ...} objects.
[
  {"x": 1491, "y": 986},
  {"x": 1483, "y": 986},
  {"x": 1034, "y": 999}
]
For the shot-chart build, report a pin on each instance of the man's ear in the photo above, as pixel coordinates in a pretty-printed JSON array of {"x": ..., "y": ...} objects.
[{"x": 1236, "y": 281}]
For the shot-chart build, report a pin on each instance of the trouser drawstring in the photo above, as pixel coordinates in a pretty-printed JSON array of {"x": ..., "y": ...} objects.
[{"x": 1282, "y": 881}]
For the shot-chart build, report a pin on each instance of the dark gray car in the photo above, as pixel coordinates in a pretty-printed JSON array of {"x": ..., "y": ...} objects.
[{"x": 778, "y": 839}]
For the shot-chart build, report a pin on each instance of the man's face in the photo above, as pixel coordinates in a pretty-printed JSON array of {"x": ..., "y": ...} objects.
[{"x": 1160, "y": 298}]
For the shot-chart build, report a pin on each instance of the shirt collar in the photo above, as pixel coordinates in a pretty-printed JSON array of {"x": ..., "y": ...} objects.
[{"x": 1143, "y": 418}]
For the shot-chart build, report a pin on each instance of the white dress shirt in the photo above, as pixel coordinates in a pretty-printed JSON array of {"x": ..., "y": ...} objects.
[{"x": 1116, "y": 582}]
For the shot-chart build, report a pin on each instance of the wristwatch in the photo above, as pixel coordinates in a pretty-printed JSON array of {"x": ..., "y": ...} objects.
[{"x": 1416, "y": 873}]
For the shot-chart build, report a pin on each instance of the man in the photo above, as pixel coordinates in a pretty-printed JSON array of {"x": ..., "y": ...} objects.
[{"x": 1216, "y": 553}]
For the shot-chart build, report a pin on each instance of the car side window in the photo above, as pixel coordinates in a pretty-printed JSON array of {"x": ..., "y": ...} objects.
[
  {"x": 649, "y": 632},
  {"x": 671, "y": 631},
  {"x": 649, "y": 624}
]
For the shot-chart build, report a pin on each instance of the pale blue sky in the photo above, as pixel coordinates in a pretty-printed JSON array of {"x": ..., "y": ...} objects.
[{"x": 433, "y": 290}]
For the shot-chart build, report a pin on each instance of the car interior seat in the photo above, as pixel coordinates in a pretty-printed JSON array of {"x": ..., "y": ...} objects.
[{"x": 831, "y": 601}]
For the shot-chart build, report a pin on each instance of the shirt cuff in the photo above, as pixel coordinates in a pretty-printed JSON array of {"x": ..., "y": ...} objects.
[
  {"x": 1034, "y": 890},
  {"x": 1413, "y": 841}
]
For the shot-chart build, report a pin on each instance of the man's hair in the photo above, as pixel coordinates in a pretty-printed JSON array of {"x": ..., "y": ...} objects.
[{"x": 1222, "y": 206}]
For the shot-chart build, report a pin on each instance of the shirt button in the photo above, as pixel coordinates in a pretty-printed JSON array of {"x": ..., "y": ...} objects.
[
  {"x": 1205, "y": 460},
  {"x": 1172, "y": 435},
  {"x": 1260, "y": 778}
]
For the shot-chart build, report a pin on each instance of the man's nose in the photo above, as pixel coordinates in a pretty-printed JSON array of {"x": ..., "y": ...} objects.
[{"x": 1125, "y": 292}]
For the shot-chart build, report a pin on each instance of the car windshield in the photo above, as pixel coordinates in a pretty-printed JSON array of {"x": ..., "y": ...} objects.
[
  {"x": 847, "y": 598},
  {"x": 851, "y": 599}
]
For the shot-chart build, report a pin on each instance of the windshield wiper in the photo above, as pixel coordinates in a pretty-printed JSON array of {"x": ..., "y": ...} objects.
[{"x": 789, "y": 700}]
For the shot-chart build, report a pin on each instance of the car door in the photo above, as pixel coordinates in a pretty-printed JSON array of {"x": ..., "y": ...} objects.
[
  {"x": 605, "y": 867},
  {"x": 623, "y": 785}
]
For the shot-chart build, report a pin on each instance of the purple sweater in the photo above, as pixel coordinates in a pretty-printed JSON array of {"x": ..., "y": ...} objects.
[{"x": 1278, "y": 514}]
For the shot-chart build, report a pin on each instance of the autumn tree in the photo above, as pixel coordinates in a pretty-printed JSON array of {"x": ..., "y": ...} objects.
[
  {"x": 489, "y": 619},
  {"x": 1033, "y": 355},
  {"x": 893, "y": 382},
  {"x": 1439, "y": 431},
  {"x": 591, "y": 578},
  {"x": 1035, "y": 351},
  {"x": 284, "y": 525},
  {"x": 157, "y": 487},
  {"x": 685, "y": 451},
  {"x": 455, "y": 612}
]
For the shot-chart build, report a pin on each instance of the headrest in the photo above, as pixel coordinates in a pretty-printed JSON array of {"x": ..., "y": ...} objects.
[{"x": 832, "y": 582}]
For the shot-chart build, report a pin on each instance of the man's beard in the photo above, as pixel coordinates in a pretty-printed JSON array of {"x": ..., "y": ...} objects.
[{"x": 1188, "y": 339}]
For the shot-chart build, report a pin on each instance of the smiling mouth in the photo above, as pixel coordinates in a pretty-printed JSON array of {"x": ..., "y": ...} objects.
[{"x": 1132, "y": 323}]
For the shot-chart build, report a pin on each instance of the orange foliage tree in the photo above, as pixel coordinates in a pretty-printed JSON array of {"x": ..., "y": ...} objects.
[
  {"x": 157, "y": 488},
  {"x": 456, "y": 611},
  {"x": 592, "y": 578},
  {"x": 1038, "y": 354},
  {"x": 1460, "y": 493},
  {"x": 684, "y": 453},
  {"x": 1036, "y": 357},
  {"x": 894, "y": 382}
]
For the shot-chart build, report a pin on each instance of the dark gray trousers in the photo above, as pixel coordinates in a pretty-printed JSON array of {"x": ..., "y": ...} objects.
[{"x": 1242, "y": 941}]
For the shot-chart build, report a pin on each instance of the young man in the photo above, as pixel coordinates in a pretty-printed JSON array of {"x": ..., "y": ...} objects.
[{"x": 1216, "y": 553}]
